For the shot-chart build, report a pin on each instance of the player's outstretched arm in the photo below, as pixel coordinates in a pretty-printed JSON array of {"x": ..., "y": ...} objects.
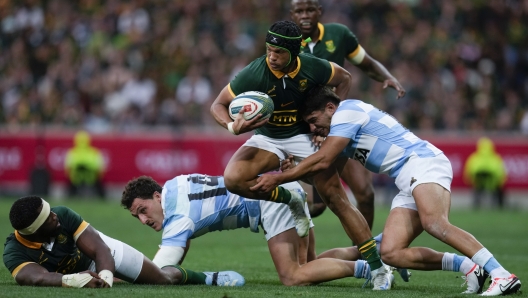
[
  {"x": 376, "y": 71},
  {"x": 37, "y": 276},
  {"x": 93, "y": 246},
  {"x": 310, "y": 166},
  {"x": 342, "y": 81}
]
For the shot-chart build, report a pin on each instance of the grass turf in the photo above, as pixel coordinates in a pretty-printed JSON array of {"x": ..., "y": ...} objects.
[{"x": 504, "y": 233}]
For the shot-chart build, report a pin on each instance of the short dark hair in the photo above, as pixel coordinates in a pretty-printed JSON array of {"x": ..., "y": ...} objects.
[
  {"x": 316, "y": 100},
  {"x": 24, "y": 211},
  {"x": 142, "y": 187}
]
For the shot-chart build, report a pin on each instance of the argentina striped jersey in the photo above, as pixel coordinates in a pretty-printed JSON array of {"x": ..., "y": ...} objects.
[
  {"x": 196, "y": 204},
  {"x": 378, "y": 140}
]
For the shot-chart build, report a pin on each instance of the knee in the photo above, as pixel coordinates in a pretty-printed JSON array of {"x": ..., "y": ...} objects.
[
  {"x": 365, "y": 195},
  {"x": 230, "y": 181},
  {"x": 389, "y": 257},
  {"x": 290, "y": 279},
  {"x": 317, "y": 209},
  {"x": 435, "y": 226}
]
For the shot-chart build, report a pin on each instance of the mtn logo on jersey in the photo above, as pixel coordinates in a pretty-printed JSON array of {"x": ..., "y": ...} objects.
[
  {"x": 283, "y": 118},
  {"x": 330, "y": 47}
]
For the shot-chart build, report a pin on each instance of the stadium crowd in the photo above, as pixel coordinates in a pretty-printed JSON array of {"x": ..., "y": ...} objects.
[{"x": 124, "y": 64}]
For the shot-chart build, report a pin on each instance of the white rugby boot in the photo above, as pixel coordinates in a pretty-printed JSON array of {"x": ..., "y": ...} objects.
[
  {"x": 382, "y": 278},
  {"x": 503, "y": 286},
  {"x": 296, "y": 204},
  {"x": 474, "y": 280}
]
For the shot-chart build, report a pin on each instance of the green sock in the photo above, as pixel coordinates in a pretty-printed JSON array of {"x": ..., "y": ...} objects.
[
  {"x": 280, "y": 195},
  {"x": 370, "y": 253},
  {"x": 190, "y": 277}
]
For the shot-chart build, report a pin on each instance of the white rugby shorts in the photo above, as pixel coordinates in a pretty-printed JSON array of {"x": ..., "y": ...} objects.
[
  {"x": 276, "y": 217},
  {"x": 128, "y": 260},
  {"x": 417, "y": 171},
  {"x": 300, "y": 146}
]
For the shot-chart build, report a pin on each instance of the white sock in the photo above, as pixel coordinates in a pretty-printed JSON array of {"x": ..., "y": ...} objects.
[
  {"x": 482, "y": 257},
  {"x": 466, "y": 265},
  {"x": 447, "y": 261}
]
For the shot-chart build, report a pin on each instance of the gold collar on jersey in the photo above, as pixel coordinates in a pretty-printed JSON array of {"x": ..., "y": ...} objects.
[
  {"x": 279, "y": 74},
  {"x": 321, "y": 33}
]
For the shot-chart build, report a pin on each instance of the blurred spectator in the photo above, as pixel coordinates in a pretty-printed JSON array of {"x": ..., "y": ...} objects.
[
  {"x": 40, "y": 176},
  {"x": 84, "y": 166},
  {"x": 524, "y": 123},
  {"x": 194, "y": 92},
  {"x": 463, "y": 63},
  {"x": 485, "y": 172}
]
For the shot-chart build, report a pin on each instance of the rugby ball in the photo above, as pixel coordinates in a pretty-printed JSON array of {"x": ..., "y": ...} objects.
[{"x": 253, "y": 103}]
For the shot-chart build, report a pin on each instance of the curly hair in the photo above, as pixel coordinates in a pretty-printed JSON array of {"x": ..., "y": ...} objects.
[
  {"x": 24, "y": 211},
  {"x": 142, "y": 187},
  {"x": 316, "y": 100},
  {"x": 287, "y": 35}
]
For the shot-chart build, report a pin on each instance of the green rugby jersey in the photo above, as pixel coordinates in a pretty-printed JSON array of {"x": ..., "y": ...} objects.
[
  {"x": 336, "y": 42},
  {"x": 64, "y": 256},
  {"x": 286, "y": 90}
]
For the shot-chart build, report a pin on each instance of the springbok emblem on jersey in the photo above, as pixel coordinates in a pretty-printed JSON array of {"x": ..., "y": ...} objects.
[
  {"x": 62, "y": 239},
  {"x": 303, "y": 84},
  {"x": 330, "y": 47}
]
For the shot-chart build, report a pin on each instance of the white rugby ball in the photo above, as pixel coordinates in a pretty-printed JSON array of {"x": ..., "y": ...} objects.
[{"x": 253, "y": 103}]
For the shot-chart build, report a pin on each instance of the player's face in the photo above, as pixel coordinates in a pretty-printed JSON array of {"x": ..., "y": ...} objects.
[
  {"x": 319, "y": 122},
  {"x": 51, "y": 227},
  {"x": 149, "y": 212},
  {"x": 306, "y": 14},
  {"x": 278, "y": 58}
]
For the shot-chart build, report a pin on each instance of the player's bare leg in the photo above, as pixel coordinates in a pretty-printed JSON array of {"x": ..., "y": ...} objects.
[
  {"x": 245, "y": 165},
  {"x": 401, "y": 228},
  {"x": 152, "y": 274},
  {"x": 404, "y": 225},
  {"x": 311, "y": 255},
  {"x": 317, "y": 206},
  {"x": 333, "y": 194},
  {"x": 359, "y": 179},
  {"x": 285, "y": 254},
  {"x": 242, "y": 171},
  {"x": 350, "y": 253}
]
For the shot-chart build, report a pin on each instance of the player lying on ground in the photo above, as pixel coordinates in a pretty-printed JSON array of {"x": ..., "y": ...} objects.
[
  {"x": 56, "y": 247},
  {"x": 354, "y": 129},
  {"x": 189, "y": 206}
]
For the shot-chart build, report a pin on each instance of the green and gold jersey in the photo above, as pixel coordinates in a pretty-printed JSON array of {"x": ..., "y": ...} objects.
[
  {"x": 61, "y": 256},
  {"x": 287, "y": 91},
  {"x": 336, "y": 42}
]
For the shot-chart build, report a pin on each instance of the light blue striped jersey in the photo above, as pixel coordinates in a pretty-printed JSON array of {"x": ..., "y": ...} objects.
[
  {"x": 377, "y": 140},
  {"x": 196, "y": 204}
]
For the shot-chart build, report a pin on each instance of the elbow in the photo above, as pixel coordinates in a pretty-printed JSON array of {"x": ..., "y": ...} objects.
[{"x": 322, "y": 165}]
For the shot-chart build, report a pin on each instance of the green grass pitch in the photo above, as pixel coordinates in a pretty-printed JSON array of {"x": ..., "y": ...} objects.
[{"x": 505, "y": 234}]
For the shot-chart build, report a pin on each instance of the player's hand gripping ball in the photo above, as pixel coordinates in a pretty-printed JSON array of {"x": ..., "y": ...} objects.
[{"x": 253, "y": 103}]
